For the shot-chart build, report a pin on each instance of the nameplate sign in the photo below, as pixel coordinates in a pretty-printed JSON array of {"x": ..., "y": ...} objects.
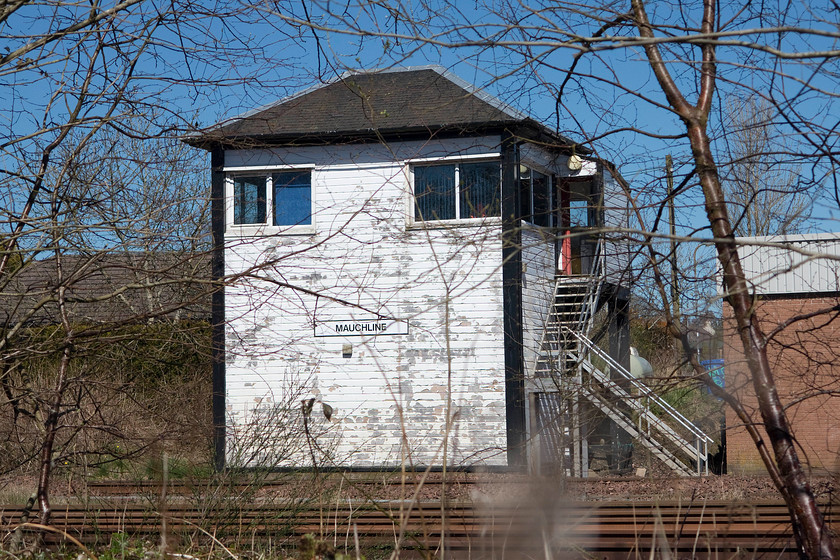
[{"x": 364, "y": 327}]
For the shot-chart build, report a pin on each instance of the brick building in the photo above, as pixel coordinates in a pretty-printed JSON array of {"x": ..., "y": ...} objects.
[{"x": 796, "y": 279}]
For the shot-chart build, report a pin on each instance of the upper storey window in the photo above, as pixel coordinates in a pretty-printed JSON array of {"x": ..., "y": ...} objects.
[
  {"x": 292, "y": 198},
  {"x": 585, "y": 207},
  {"x": 537, "y": 199},
  {"x": 457, "y": 191},
  {"x": 249, "y": 200},
  {"x": 579, "y": 213},
  {"x": 281, "y": 198}
]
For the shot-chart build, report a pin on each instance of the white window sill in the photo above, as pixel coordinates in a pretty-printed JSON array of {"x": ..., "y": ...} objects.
[
  {"x": 267, "y": 231},
  {"x": 528, "y": 225},
  {"x": 450, "y": 224}
]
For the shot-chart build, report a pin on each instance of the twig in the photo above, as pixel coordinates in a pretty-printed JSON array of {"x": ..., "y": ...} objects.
[
  {"x": 215, "y": 540},
  {"x": 67, "y": 536}
]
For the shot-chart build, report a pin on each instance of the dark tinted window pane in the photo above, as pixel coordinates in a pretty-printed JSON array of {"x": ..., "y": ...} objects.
[
  {"x": 542, "y": 199},
  {"x": 434, "y": 191},
  {"x": 249, "y": 200},
  {"x": 480, "y": 189},
  {"x": 292, "y": 198}
]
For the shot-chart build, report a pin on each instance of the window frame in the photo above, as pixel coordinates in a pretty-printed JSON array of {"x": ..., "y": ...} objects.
[
  {"x": 266, "y": 227},
  {"x": 529, "y": 206},
  {"x": 261, "y": 199},
  {"x": 455, "y": 161},
  {"x": 584, "y": 203}
]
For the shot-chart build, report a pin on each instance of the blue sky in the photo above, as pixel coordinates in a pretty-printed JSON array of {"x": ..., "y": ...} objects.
[
  {"x": 201, "y": 69},
  {"x": 593, "y": 104}
]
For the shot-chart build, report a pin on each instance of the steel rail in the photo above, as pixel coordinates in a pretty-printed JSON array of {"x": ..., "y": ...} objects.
[{"x": 703, "y": 529}]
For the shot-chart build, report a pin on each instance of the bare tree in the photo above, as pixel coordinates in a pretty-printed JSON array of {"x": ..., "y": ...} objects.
[
  {"x": 84, "y": 69},
  {"x": 785, "y": 467},
  {"x": 601, "y": 63},
  {"x": 112, "y": 248},
  {"x": 77, "y": 98},
  {"x": 763, "y": 191},
  {"x": 104, "y": 216}
]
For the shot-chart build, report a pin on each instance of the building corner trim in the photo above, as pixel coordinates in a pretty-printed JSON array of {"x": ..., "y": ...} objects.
[
  {"x": 512, "y": 305},
  {"x": 217, "y": 201}
]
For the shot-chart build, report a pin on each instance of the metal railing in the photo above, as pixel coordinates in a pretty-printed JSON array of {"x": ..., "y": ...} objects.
[
  {"x": 642, "y": 404},
  {"x": 593, "y": 292},
  {"x": 586, "y": 319},
  {"x": 639, "y": 403}
]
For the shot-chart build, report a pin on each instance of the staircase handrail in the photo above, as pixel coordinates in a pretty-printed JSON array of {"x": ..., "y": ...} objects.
[
  {"x": 593, "y": 292},
  {"x": 588, "y": 305},
  {"x": 652, "y": 420},
  {"x": 643, "y": 389},
  {"x": 636, "y": 431}
]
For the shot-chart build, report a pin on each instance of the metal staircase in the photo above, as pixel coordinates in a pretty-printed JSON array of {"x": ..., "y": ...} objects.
[
  {"x": 566, "y": 370},
  {"x": 649, "y": 420},
  {"x": 573, "y": 307},
  {"x": 570, "y": 298}
]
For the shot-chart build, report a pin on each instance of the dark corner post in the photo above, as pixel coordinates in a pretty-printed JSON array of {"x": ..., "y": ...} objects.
[
  {"x": 619, "y": 340},
  {"x": 217, "y": 194},
  {"x": 512, "y": 297},
  {"x": 619, "y": 329}
]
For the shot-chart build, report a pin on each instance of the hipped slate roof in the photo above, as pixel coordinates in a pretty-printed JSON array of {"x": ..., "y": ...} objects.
[{"x": 362, "y": 105}]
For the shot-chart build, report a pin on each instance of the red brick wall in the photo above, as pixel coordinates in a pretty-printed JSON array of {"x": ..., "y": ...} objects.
[{"x": 805, "y": 357}]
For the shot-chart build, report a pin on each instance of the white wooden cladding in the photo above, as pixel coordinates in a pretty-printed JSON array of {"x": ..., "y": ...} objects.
[
  {"x": 618, "y": 249},
  {"x": 793, "y": 264},
  {"x": 538, "y": 265},
  {"x": 392, "y": 395}
]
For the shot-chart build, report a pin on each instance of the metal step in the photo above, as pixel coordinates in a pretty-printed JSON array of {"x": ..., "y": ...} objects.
[
  {"x": 560, "y": 358},
  {"x": 668, "y": 438},
  {"x": 563, "y": 353},
  {"x": 655, "y": 447},
  {"x": 565, "y": 312}
]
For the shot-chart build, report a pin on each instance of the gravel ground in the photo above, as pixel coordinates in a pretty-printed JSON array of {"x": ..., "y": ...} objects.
[
  {"x": 489, "y": 486},
  {"x": 726, "y": 487},
  {"x": 468, "y": 486}
]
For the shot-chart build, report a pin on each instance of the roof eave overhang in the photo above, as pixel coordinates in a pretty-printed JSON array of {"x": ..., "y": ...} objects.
[{"x": 525, "y": 130}]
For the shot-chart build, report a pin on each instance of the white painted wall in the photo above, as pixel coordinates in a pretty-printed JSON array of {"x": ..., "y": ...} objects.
[
  {"x": 538, "y": 268},
  {"x": 366, "y": 257},
  {"x": 618, "y": 250}
]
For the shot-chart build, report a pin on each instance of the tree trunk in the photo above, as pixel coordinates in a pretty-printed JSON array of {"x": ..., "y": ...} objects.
[
  {"x": 809, "y": 529},
  {"x": 812, "y": 535},
  {"x": 51, "y": 426}
]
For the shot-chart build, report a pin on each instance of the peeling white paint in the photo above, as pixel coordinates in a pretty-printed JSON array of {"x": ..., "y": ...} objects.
[{"x": 367, "y": 257}]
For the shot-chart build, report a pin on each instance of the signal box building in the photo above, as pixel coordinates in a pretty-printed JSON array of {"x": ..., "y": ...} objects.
[{"x": 391, "y": 245}]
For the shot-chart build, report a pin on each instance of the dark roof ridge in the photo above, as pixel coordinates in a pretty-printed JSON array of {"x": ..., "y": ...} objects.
[
  {"x": 449, "y": 75},
  {"x": 322, "y": 111},
  {"x": 472, "y": 89}
]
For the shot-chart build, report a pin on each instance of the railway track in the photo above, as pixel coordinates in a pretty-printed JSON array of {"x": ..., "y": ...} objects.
[
  {"x": 585, "y": 530},
  {"x": 369, "y": 482}
]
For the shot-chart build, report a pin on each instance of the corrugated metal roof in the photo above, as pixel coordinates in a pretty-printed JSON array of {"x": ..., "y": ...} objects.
[{"x": 792, "y": 264}]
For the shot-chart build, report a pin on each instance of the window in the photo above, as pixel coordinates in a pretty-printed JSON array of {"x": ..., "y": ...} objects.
[
  {"x": 292, "y": 198},
  {"x": 248, "y": 200},
  {"x": 287, "y": 193},
  {"x": 583, "y": 203},
  {"x": 578, "y": 213},
  {"x": 535, "y": 189},
  {"x": 457, "y": 191}
]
